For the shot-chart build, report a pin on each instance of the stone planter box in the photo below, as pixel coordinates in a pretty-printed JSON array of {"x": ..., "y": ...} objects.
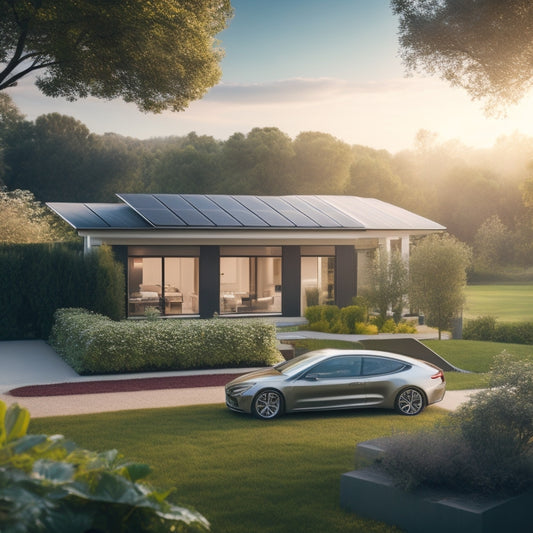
[{"x": 370, "y": 492}]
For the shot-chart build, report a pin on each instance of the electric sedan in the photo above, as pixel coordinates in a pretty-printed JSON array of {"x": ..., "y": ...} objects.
[{"x": 338, "y": 379}]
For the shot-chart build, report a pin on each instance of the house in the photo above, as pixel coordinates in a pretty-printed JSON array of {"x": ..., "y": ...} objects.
[{"x": 197, "y": 255}]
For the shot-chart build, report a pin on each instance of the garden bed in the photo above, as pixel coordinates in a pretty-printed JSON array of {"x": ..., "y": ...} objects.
[{"x": 370, "y": 492}]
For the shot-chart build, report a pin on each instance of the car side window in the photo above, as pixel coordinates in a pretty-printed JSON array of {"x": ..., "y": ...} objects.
[
  {"x": 373, "y": 366},
  {"x": 336, "y": 368}
]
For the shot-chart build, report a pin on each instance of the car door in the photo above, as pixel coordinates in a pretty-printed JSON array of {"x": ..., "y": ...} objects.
[
  {"x": 382, "y": 377},
  {"x": 332, "y": 384}
]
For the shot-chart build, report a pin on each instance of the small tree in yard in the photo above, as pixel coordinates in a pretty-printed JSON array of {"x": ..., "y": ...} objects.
[
  {"x": 437, "y": 270},
  {"x": 389, "y": 284}
]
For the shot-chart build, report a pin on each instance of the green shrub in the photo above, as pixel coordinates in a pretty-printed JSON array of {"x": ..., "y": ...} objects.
[
  {"x": 350, "y": 315},
  {"x": 486, "y": 328},
  {"x": 324, "y": 316},
  {"x": 361, "y": 328},
  {"x": 388, "y": 326},
  {"x": 37, "y": 279},
  {"x": 48, "y": 484},
  {"x": 94, "y": 344},
  {"x": 486, "y": 446},
  {"x": 313, "y": 313},
  {"x": 405, "y": 327}
]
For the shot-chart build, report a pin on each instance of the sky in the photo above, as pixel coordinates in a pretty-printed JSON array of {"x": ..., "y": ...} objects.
[{"x": 307, "y": 65}]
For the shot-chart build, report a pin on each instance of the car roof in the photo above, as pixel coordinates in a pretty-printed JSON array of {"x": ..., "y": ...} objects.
[{"x": 332, "y": 352}]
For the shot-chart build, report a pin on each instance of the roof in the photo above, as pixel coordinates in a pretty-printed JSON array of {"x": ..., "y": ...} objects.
[{"x": 206, "y": 211}]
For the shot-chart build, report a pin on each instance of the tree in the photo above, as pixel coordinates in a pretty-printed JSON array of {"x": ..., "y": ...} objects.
[
  {"x": 159, "y": 54},
  {"x": 437, "y": 271},
  {"x": 24, "y": 220},
  {"x": 9, "y": 117},
  {"x": 389, "y": 284},
  {"x": 492, "y": 245},
  {"x": 484, "y": 46}
]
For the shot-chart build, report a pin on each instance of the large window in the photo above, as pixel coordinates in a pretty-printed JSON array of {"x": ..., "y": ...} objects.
[
  {"x": 318, "y": 275},
  {"x": 250, "y": 280},
  {"x": 170, "y": 284}
]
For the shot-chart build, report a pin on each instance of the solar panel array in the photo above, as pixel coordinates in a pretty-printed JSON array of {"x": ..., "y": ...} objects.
[{"x": 148, "y": 211}]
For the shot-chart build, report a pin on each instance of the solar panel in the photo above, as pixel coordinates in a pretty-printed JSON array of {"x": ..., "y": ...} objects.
[
  {"x": 238, "y": 211},
  {"x": 78, "y": 216},
  {"x": 269, "y": 215},
  {"x": 212, "y": 210},
  {"x": 150, "y": 208},
  {"x": 118, "y": 215},
  {"x": 295, "y": 216},
  {"x": 182, "y": 208},
  {"x": 312, "y": 212},
  {"x": 323, "y": 204}
]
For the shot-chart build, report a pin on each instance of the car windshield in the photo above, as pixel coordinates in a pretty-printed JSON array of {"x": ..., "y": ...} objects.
[{"x": 293, "y": 366}]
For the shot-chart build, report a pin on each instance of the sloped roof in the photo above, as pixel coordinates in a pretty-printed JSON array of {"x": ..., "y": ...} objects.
[{"x": 181, "y": 211}]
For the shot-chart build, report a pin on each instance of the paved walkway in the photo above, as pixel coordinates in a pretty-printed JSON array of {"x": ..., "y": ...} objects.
[{"x": 36, "y": 363}]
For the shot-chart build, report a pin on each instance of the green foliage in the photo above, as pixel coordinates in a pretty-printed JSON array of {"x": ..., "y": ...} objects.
[
  {"x": 470, "y": 44},
  {"x": 486, "y": 328},
  {"x": 438, "y": 279},
  {"x": 94, "y": 344},
  {"x": 47, "y": 484},
  {"x": 486, "y": 445},
  {"x": 37, "y": 279},
  {"x": 158, "y": 55},
  {"x": 389, "y": 283}
]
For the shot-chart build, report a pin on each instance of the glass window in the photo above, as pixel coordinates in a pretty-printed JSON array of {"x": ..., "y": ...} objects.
[
  {"x": 318, "y": 281},
  {"x": 373, "y": 366},
  {"x": 169, "y": 284},
  {"x": 250, "y": 285},
  {"x": 337, "y": 368}
]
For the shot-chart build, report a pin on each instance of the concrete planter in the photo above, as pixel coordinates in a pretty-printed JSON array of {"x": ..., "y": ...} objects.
[{"x": 371, "y": 493}]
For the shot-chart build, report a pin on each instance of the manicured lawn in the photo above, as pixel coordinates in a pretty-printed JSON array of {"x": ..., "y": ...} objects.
[
  {"x": 506, "y": 302},
  {"x": 245, "y": 475}
]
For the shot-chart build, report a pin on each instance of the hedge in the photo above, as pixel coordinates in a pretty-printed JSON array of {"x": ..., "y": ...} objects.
[
  {"x": 486, "y": 328},
  {"x": 93, "y": 344},
  {"x": 37, "y": 279}
]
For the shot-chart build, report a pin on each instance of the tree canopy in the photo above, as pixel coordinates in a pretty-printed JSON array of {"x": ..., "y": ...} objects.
[
  {"x": 159, "y": 55},
  {"x": 484, "y": 46}
]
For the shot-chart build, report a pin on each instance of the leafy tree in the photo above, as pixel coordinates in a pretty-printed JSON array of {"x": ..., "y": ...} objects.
[
  {"x": 483, "y": 46},
  {"x": 492, "y": 246},
  {"x": 24, "y": 220},
  {"x": 159, "y": 54},
  {"x": 437, "y": 269},
  {"x": 321, "y": 163},
  {"x": 258, "y": 163},
  {"x": 389, "y": 284},
  {"x": 9, "y": 117}
]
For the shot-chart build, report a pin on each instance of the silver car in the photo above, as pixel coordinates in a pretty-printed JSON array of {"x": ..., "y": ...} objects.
[{"x": 338, "y": 379}]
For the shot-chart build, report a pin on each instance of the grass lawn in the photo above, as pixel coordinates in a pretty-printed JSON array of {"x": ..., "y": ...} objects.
[
  {"x": 506, "y": 302},
  {"x": 246, "y": 475}
]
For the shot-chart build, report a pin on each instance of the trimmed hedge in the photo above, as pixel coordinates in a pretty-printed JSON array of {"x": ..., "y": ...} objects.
[
  {"x": 486, "y": 328},
  {"x": 93, "y": 344},
  {"x": 37, "y": 279}
]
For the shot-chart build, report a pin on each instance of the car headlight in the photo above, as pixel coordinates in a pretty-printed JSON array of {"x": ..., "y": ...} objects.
[{"x": 240, "y": 389}]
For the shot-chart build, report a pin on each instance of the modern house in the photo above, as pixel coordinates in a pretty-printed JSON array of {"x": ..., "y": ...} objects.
[{"x": 197, "y": 255}]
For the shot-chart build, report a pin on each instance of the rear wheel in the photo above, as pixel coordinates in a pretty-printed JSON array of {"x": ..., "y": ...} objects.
[
  {"x": 410, "y": 402},
  {"x": 268, "y": 404}
]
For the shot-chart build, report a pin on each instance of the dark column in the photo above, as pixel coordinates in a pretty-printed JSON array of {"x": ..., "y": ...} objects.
[
  {"x": 345, "y": 275},
  {"x": 120, "y": 253},
  {"x": 290, "y": 281},
  {"x": 209, "y": 281}
]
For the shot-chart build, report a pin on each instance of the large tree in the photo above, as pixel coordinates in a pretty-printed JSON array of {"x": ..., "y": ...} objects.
[
  {"x": 484, "y": 46},
  {"x": 160, "y": 54},
  {"x": 437, "y": 269}
]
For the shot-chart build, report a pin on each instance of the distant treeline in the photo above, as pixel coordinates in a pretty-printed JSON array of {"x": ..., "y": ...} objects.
[{"x": 476, "y": 194}]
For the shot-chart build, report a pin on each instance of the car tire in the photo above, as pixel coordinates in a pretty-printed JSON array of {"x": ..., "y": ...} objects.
[
  {"x": 410, "y": 401},
  {"x": 268, "y": 404}
]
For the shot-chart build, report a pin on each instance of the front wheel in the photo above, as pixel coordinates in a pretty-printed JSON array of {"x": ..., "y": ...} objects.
[
  {"x": 267, "y": 404},
  {"x": 410, "y": 402}
]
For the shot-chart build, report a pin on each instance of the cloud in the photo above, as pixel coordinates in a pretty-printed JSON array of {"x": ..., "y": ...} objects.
[{"x": 299, "y": 90}]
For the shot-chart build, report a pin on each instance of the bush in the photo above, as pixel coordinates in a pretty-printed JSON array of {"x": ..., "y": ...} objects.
[
  {"x": 361, "y": 328},
  {"x": 350, "y": 315},
  {"x": 94, "y": 344},
  {"x": 487, "y": 329},
  {"x": 389, "y": 326},
  {"x": 486, "y": 446},
  {"x": 327, "y": 316},
  {"x": 37, "y": 279},
  {"x": 48, "y": 484}
]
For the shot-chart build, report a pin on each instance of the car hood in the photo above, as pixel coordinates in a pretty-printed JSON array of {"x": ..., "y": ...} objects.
[{"x": 263, "y": 373}]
